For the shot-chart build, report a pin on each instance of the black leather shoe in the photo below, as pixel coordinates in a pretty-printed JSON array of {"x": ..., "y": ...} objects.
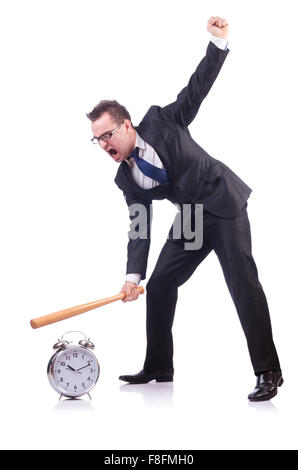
[
  {"x": 266, "y": 386},
  {"x": 144, "y": 377}
]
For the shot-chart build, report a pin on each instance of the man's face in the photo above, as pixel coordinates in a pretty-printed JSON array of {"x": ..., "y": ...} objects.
[{"x": 122, "y": 142}]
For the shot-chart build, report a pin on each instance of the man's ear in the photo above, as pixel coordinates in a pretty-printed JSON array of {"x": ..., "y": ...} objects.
[{"x": 128, "y": 125}]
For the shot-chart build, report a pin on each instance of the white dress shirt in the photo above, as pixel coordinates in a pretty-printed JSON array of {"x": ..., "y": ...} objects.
[{"x": 148, "y": 153}]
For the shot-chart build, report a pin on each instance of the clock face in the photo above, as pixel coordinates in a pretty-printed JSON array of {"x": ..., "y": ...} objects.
[{"x": 74, "y": 371}]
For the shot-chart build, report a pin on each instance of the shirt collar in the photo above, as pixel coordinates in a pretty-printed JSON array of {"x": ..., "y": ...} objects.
[{"x": 139, "y": 143}]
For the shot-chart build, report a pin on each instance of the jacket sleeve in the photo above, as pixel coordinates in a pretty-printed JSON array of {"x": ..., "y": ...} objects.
[
  {"x": 185, "y": 108},
  {"x": 140, "y": 214}
]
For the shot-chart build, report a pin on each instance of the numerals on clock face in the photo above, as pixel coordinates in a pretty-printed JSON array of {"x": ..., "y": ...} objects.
[{"x": 75, "y": 371}]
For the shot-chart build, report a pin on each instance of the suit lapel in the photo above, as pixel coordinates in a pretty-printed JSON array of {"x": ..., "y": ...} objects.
[
  {"x": 156, "y": 140},
  {"x": 124, "y": 177}
]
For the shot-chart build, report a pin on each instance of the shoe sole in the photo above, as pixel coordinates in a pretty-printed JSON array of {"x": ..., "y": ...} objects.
[
  {"x": 158, "y": 379},
  {"x": 164, "y": 379},
  {"x": 279, "y": 384}
]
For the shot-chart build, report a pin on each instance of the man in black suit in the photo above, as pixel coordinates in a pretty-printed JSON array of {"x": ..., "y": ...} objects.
[{"x": 159, "y": 159}]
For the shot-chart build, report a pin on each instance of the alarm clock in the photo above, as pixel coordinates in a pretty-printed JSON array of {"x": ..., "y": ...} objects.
[{"x": 73, "y": 370}]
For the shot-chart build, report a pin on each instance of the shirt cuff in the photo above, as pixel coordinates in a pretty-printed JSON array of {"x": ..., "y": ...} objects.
[
  {"x": 221, "y": 43},
  {"x": 134, "y": 277}
]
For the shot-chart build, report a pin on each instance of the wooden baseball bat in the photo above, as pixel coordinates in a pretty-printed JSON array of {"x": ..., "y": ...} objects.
[{"x": 77, "y": 310}]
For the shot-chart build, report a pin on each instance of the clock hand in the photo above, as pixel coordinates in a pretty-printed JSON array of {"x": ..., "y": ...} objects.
[
  {"x": 84, "y": 367},
  {"x": 71, "y": 368}
]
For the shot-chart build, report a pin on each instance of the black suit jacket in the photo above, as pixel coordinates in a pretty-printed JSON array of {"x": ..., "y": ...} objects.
[{"x": 197, "y": 177}]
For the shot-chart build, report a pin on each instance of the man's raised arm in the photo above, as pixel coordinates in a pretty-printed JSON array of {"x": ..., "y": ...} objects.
[{"x": 185, "y": 108}]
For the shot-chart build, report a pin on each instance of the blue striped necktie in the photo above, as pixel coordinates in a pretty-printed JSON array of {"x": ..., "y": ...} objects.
[{"x": 147, "y": 169}]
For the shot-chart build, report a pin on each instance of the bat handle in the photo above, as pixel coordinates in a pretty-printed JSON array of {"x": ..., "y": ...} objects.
[{"x": 140, "y": 290}]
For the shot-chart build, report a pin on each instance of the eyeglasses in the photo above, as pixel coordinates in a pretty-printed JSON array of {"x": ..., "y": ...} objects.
[{"x": 105, "y": 137}]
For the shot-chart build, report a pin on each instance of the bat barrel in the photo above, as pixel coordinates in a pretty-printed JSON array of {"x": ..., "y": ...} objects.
[{"x": 73, "y": 311}]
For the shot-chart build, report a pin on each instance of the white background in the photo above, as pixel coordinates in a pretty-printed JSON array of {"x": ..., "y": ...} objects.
[{"x": 64, "y": 222}]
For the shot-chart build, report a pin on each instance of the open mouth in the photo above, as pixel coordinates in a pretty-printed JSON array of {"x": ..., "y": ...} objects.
[{"x": 114, "y": 154}]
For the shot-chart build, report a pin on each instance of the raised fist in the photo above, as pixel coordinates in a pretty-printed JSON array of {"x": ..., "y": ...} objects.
[{"x": 218, "y": 27}]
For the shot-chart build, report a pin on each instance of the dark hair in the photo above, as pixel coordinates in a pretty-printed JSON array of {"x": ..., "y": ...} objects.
[{"x": 117, "y": 112}]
